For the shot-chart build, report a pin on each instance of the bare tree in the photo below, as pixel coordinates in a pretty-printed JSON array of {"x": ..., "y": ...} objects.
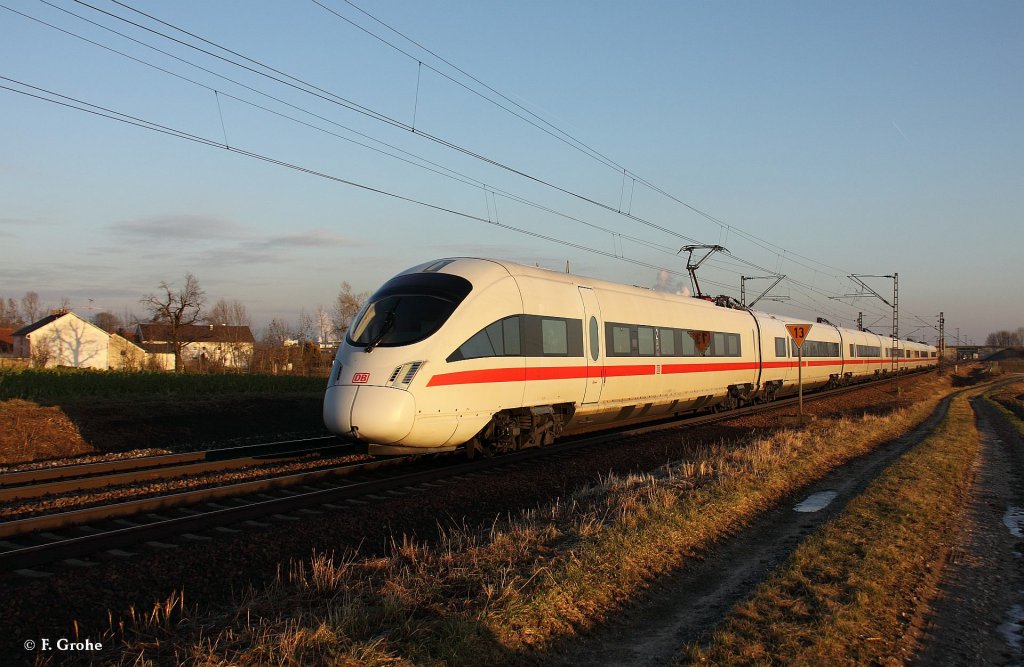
[
  {"x": 345, "y": 308},
  {"x": 30, "y": 307},
  {"x": 277, "y": 333},
  {"x": 322, "y": 322},
  {"x": 272, "y": 354},
  {"x": 304, "y": 331},
  {"x": 1004, "y": 339},
  {"x": 108, "y": 321},
  {"x": 229, "y": 313},
  {"x": 177, "y": 308},
  {"x": 9, "y": 315},
  {"x": 42, "y": 352}
]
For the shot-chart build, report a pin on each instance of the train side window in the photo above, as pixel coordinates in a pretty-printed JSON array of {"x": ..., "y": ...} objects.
[
  {"x": 667, "y": 342},
  {"x": 553, "y": 336},
  {"x": 688, "y": 347},
  {"x": 717, "y": 345},
  {"x": 498, "y": 339},
  {"x": 852, "y": 353},
  {"x": 645, "y": 341},
  {"x": 780, "y": 347},
  {"x": 510, "y": 336},
  {"x": 595, "y": 339},
  {"x": 732, "y": 345},
  {"x": 476, "y": 347},
  {"x": 619, "y": 343}
]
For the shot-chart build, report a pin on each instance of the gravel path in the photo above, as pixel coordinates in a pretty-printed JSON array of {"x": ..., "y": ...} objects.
[{"x": 978, "y": 609}]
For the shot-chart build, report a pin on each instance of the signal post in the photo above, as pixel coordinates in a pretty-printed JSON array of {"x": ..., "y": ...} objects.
[{"x": 798, "y": 332}]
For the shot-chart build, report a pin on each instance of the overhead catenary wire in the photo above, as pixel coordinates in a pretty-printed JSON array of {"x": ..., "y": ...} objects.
[
  {"x": 111, "y": 114},
  {"x": 414, "y": 161},
  {"x": 304, "y": 87},
  {"x": 333, "y": 98},
  {"x": 568, "y": 138},
  {"x": 376, "y": 115},
  {"x": 72, "y": 103}
]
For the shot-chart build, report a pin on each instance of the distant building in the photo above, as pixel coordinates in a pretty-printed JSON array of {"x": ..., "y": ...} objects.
[
  {"x": 125, "y": 355},
  {"x": 204, "y": 345},
  {"x": 63, "y": 339}
]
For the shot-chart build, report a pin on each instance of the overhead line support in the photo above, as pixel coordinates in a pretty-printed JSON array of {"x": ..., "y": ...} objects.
[{"x": 743, "y": 287}]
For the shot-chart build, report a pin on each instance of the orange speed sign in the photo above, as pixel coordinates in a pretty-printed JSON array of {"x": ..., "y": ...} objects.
[{"x": 798, "y": 332}]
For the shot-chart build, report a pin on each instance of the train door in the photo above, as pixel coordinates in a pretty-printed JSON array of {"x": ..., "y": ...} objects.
[{"x": 592, "y": 326}]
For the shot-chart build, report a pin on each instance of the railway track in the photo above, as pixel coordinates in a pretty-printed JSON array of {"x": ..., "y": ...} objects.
[
  {"x": 69, "y": 478},
  {"x": 105, "y": 531}
]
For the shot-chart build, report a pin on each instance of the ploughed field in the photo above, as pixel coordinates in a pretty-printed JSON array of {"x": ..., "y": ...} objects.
[
  {"x": 88, "y": 415},
  {"x": 563, "y": 561}
]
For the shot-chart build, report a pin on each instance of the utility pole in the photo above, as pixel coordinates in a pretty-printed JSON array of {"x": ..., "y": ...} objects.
[
  {"x": 860, "y": 321},
  {"x": 895, "y": 305},
  {"x": 942, "y": 336},
  {"x": 896, "y": 317}
]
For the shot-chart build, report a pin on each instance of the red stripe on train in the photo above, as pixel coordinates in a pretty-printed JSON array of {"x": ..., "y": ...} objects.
[{"x": 489, "y": 375}]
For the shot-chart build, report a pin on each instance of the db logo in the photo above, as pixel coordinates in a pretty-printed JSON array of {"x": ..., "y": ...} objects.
[{"x": 360, "y": 378}]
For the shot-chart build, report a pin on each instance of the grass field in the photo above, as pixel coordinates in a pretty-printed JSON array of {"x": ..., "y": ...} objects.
[{"x": 69, "y": 384}]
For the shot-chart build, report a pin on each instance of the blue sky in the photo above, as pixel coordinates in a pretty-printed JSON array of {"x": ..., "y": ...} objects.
[{"x": 853, "y": 137}]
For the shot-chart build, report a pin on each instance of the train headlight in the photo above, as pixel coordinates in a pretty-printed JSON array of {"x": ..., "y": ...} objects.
[{"x": 402, "y": 376}]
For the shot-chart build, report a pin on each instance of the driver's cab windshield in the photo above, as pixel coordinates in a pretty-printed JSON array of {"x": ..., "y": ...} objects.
[{"x": 408, "y": 309}]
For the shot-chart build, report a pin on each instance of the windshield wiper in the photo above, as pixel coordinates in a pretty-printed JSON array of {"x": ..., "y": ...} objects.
[{"x": 386, "y": 326}]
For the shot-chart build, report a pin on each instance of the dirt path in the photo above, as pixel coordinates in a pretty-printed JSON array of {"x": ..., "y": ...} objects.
[
  {"x": 686, "y": 606},
  {"x": 978, "y": 609}
]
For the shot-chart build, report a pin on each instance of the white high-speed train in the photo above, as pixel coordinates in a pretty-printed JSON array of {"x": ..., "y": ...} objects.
[{"x": 496, "y": 356}]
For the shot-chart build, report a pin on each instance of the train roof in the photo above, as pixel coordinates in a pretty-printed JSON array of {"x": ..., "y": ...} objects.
[{"x": 477, "y": 268}]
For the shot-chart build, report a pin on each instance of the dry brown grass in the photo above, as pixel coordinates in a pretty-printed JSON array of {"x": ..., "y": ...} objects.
[
  {"x": 503, "y": 593},
  {"x": 847, "y": 595},
  {"x": 1011, "y": 398},
  {"x": 31, "y": 432}
]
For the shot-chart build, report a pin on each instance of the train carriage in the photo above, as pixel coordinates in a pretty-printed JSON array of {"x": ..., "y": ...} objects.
[{"x": 498, "y": 356}]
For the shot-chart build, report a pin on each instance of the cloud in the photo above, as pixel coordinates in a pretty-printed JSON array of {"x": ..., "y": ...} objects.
[
  {"x": 242, "y": 254},
  {"x": 316, "y": 238},
  {"x": 184, "y": 227},
  {"x": 14, "y": 225}
]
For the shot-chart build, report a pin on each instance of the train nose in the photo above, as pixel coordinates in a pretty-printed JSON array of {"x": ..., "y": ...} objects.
[{"x": 379, "y": 415}]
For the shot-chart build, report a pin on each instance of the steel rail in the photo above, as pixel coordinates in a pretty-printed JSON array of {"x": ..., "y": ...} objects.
[
  {"x": 27, "y": 484},
  {"x": 78, "y": 517}
]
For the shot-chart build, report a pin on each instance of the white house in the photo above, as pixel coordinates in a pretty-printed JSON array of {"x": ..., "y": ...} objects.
[
  {"x": 226, "y": 346},
  {"x": 63, "y": 339}
]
